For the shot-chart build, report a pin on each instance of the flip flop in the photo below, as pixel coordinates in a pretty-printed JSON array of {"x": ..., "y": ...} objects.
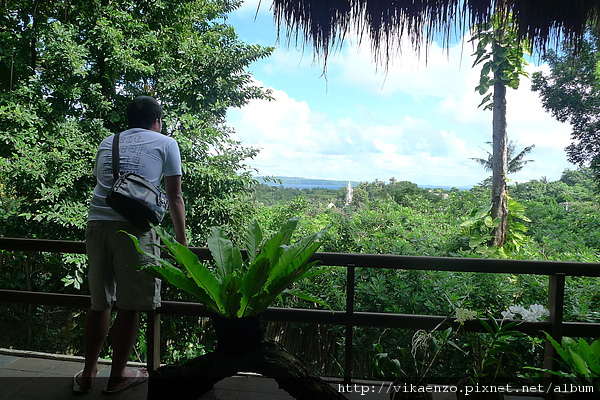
[
  {"x": 77, "y": 389},
  {"x": 136, "y": 380}
]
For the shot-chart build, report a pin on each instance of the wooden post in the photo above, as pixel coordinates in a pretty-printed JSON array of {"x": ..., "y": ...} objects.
[
  {"x": 153, "y": 340},
  {"x": 556, "y": 303},
  {"x": 348, "y": 348}
]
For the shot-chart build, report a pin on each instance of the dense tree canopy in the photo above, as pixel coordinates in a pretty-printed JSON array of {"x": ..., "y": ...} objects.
[
  {"x": 571, "y": 93},
  {"x": 67, "y": 71}
]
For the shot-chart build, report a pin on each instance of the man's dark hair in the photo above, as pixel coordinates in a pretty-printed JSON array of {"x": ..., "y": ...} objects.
[{"x": 143, "y": 111}]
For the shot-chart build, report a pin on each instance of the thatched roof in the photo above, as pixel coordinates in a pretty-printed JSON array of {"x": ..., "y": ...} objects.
[{"x": 325, "y": 24}]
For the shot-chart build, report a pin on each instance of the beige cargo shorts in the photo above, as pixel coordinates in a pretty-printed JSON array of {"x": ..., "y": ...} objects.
[{"x": 111, "y": 275}]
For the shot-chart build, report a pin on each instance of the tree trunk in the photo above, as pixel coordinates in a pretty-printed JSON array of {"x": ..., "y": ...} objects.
[{"x": 499, "y": 187}]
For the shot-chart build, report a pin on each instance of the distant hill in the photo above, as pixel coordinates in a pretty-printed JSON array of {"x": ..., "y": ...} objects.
[
  {"x": 308, "y": 183},
  {"x": 305, "y": 183},
  {"x": 445, "y": 187}
]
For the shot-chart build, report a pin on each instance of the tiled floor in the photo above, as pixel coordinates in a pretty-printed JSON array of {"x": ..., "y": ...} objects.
[{"x": 37, "y": 376}]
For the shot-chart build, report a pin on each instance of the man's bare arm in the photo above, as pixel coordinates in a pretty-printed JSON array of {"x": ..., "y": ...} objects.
[{"x": 176, "y": 206}]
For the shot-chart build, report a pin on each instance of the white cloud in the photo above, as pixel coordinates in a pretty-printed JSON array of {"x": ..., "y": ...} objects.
[
  {"x": 416, "y": 122},
  {"x": 297, "y": 141}
]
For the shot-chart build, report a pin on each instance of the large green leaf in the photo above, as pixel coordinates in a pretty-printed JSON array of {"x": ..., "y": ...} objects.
[
  {"x": 227, "y": 257},
  {"x": 562, "y": 350},
  {"x": 286, "y": 273},
  {"x": 306, "y": 296},
  {"x": 593, "y": 357},
  {"x": 231, "y": 295},
  {"x": 296, "y": 255},
  {"x": 273, "y": 246},
  {"x": 241, "y": 288},
  {"x": 585, "y": 357},
  {"x": 274, "y": 287},
  {"x": 203, "y": 277},
  {"x": 175, "y": 249},
  {"x": 176, "y": 277},
  {"x": 253, "y": 239},
  {"x": 252, "y": 284},
  {"x": 580, "y": 364}
]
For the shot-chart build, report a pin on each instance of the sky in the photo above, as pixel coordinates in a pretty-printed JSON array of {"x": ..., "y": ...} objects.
[{"x": 418, "y": 121}]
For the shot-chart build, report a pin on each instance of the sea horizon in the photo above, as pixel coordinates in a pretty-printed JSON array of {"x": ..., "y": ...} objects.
[{"x": 295, "y": 182}]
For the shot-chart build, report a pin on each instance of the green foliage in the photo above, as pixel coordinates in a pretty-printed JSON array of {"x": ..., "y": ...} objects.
[
  {"x": 500, "y": 52},
  {"x": 564, "y": 216},
  {"x": 415, "y": 362},
  {"x": 497, "y": 351},
  {"x": 428, "y": 222},
  {"x": 493, "y": 348},
  {"x": 238, "y": 288},
  {"x": 68, "y": 69},
  {"x": 479, "y": 228},
  {"x": 392, "y": 218},
  {"x": 67, "y": 74},
  {"x": 570, "y": 92},
  {"x": 579, "y": 361}
]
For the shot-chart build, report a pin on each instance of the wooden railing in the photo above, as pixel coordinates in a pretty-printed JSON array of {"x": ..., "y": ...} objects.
[{"x": 349, "y": 318}]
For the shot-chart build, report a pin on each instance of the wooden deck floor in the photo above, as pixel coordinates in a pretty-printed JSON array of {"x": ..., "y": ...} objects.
[{"x": 40, "y": 376}]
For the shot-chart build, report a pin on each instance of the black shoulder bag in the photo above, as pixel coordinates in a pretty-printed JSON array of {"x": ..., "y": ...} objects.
[{"x": 134, "y": 197}]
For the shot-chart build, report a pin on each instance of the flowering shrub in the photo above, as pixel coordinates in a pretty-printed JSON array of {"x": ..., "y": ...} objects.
[
  {"x": 535, "y": 313},
  {"x": 491, "y": 350},
  {"x": 463, "y": 314}
]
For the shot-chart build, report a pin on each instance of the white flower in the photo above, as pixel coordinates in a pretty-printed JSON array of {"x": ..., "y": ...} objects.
[
  {"x": 517, "y": 309},
  {"x": 539, "y": 310},
  {"x": 463, "y": 315},
  {"x": 534, "y": 314},
  {"x": 507, "y": 315},
  {"x": 529, "y": 317}
]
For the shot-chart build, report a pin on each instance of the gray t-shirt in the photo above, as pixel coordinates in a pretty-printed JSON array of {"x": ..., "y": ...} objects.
[{"x": 147, "y": 153}]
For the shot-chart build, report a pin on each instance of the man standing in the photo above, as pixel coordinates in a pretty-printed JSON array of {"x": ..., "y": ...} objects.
[{"x": 112, "y": 279}]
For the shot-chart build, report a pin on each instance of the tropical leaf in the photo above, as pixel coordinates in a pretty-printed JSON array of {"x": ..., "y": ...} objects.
[
  {"x": 175, "y": 276},
  {"x": 203, "y": 277},
  {"x": 238, "y": 288},
  {"x": 593, "y": 357},
  {"x": 252, "y": 283},
  {"x": 564, "y": 355},
  {"x": 253, "y": 240},
  {"x": 296, "y": 255},
  {"x": 228, "y": 258},
  {"x": 173, "y": 247},
  {"x": 288, "y": 274},
  {"x": 580, "y": 364},
  {"x": 276, "y": 286},
  {"x": 231, "y": 295},
  {"x": 273, "y": 246}
]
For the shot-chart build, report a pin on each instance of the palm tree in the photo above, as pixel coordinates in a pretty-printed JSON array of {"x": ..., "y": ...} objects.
[{"x": 515, "y": 162}]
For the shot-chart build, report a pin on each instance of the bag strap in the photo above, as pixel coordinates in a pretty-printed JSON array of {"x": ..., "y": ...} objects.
[{"x": 115, "y": 156}]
